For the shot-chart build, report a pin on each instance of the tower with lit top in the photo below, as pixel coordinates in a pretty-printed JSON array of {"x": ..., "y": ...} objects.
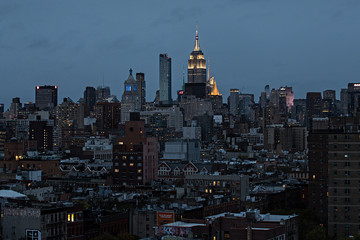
[
  {"x": 46, "y": 97},
  {"x": 197, "y": 64}
]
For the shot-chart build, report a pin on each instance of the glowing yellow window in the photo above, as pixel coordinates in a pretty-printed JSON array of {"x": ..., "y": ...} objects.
[
  {"x": 116, "y": 170},
  {"x": 131, "y": 164},
  {"x": 69, "y": 217}
]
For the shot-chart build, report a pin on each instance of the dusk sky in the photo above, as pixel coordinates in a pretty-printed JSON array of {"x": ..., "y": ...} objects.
[{"x": 309, "y": 45}]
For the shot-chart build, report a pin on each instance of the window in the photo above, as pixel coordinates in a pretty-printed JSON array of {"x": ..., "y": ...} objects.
[
  {"x": 347, "y": 181},
  {"x": 347, "y": 164}
]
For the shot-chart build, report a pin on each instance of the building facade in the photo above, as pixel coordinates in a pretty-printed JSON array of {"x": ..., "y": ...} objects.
[{"x": 165, "y": 78}]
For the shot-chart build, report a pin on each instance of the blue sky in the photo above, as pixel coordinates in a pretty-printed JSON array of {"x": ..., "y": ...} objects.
[{"x": 310, "y": 45}]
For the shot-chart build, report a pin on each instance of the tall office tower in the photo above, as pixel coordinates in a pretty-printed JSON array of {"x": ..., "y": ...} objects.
[
  {"x": 102, "y": 93},
  {"x": 234, "y": 102},
  {"x": 90, "y": 97},
  {"x": 42, "y": 133},
  {"x": 130, "y": 101},
  {"x": 107, "y": 115},
  {"x": 196, "y": 85},
  {"x": 15, "y": 107},
  {"x": 69, "y": 121},
  {"x": 353, "y": 98},
  {"x": 165, "y": 78},
  {"x": 313, "y": 107},
  {"x": 197, "y": 64},
  {"x": 46, "y": 97},
  {"x": 329, "y": 94},
  {"x": 289, "y": 95},
  {"x": 267, "y": 91},
  {"x": 140, "y": 79},
  {"x": 329, "y": 103},
  {"x": 1, "y": 108},
  {"x": 298, "y": 111},
  {"x": 344, "y": 101},
  {"x": 246, "y": 101}
]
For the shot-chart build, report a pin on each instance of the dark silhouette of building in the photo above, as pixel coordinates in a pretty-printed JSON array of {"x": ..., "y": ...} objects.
[
  {"x": 140, "y": 79},
  {"x": 107, "y": 115},
  {"x": 90, "y": 97},
  {"x": 102, "y": 93},
  {"x": 313, "y": 107},
  {"x": 46, "y": 97},
  {"x": 165, "y": 78},
  {"x": 351, "y": 98},
  {"x": 42, "y": 133}
]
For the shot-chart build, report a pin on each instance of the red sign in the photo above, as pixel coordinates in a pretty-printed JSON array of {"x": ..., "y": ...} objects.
[{"x": 165, "y": 218}]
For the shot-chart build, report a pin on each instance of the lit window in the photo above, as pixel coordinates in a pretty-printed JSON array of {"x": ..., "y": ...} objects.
[{"x": 116, "y": 170}]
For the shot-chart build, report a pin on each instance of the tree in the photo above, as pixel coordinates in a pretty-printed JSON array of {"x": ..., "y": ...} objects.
[{"x": 318, "y": 233}]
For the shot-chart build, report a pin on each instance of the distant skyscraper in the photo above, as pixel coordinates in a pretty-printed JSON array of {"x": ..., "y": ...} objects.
[
  {"x": 46, "y": 97},
  {"x": 1, "y": 107},
  {"x": 313, "y": 106},
  {"x": 197, "y": 84},
  {"x": 234, "y": 102},
  {"x": 102, "y": 93},
  {"x": 15, "y": 107},
  {"x": 165, "y": 78},
  {"x": 140, "y": 79},
  {"x": 352, "y": 98},
  {"x": 197, "y": 64},
  {"x": 90, "y": 97}
]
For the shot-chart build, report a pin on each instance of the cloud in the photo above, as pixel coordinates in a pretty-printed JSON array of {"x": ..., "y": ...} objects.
[{"x": 38, "y": 44}]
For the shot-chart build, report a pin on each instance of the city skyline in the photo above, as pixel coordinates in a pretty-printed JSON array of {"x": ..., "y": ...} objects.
[{"x": 309, "y": 46}]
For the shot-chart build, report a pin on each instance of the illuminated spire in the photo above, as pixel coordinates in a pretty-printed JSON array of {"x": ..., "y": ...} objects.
[
  {"x": 197, "y": 46},
  {"x": 215, "y": 91}
]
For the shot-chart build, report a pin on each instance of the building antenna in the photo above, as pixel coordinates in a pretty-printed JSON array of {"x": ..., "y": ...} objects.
[
  {"x": 184, "y": 77},
  {"x": 103, "y": 79}
]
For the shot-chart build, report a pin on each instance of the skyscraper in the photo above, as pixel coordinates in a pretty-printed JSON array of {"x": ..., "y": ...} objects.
[
  {"x": 165, "y": 78},
  {"x": 90, "y": 97},
  {"x": 102, "y": 93},
  {"x": 197, "y": 64},
  {"x": 46, "y": 97},
  {"x": 140, "y": 79}
]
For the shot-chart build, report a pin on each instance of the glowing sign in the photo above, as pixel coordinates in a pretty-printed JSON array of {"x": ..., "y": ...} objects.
[
  {"x": 165, "y": 217},
  {"x": 356, "y": 84},
  {"x": 181, "y": 92}
]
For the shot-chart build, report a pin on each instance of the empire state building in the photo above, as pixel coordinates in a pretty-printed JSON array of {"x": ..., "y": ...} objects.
[{"x": 197, "y": 64}]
